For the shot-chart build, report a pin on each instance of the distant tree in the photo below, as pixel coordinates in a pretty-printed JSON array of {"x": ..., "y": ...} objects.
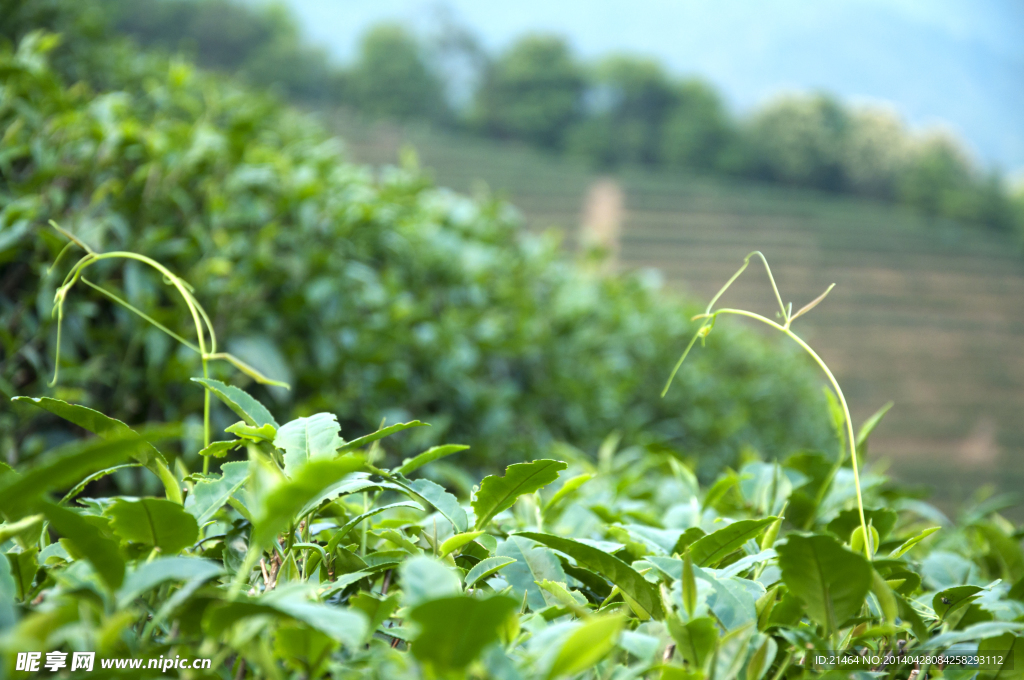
[
  {"x": 392, "y": 78},
  {"x": 532, "y": 92},
  {"x": 636, "y": 96},
  {"x": 263, "y": 44},
  {"x": 800, "y": 140},
  {"x": 937, "y": 176},
  {"x": 876, "y": 153},
  {"x": 698, "y": 129}
]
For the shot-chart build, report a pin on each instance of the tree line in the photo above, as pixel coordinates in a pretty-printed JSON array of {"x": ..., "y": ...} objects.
[{"x": 620, "y": 110}]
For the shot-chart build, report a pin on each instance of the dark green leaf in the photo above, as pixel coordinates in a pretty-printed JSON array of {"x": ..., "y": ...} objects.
[
  {"x": 882, "y": 519},
  {"x": 713, "y": 548},
  {"x": 695, "y": 640},
  {"x": 499, "y": 493},
  {"x": 102, "y": 552},
  {"x": 109, "y": 429},
  {"x": 153, "y": 521},
  {"x": 950, "y": 600},
  {"x": 486, "y": 568},
  {"x": 346, "y": 625},
  {"x": 8, "y": 610},
  {"x": 280, "y": 505},
  {"x": 149, "y": 575},
  {"x": 615, "y": 570},
  {"x": 58, "y": 470},
  {"x": 831, "y": 581},
  {"x": 454, "y": 630},
  {"x": 688, "y": 538}
]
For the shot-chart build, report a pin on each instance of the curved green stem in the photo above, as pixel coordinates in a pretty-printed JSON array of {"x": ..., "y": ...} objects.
[
  {"x": 709, "y": 318},
  {"x": 851, "y": 438}
]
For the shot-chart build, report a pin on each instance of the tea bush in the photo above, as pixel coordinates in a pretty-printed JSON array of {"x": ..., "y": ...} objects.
[
  {"x": 312, "y": 556},
  {"x": 374, "y": 294}
]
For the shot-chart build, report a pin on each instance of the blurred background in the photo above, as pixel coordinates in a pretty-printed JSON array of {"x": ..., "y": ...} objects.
[{"x": 875, "y": 144}]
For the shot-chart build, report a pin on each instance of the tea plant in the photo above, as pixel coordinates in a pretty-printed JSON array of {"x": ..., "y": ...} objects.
[
  {"x": 370, "y": 291},
  {"x": 308, "y": 555}
]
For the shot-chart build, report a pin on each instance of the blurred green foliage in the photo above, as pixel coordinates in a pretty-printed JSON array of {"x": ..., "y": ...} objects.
[
  {"x": 623, "y": 110},
  {"x": 374, "y": 294}
]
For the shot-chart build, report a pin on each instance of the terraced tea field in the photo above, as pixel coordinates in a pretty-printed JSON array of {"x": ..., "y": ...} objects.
[{"x": 927, "y": 314}]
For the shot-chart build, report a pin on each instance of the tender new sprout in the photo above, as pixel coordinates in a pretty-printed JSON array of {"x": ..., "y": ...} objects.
[
  {"x": 207, "y": 337},
  {"x": 709, "y": 317}
]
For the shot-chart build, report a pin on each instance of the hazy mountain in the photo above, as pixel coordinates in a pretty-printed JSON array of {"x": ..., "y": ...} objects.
[{"x": 936, "y": 61}]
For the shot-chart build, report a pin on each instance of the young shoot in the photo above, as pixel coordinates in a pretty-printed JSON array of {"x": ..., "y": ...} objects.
[
  {"x": 206, "y": 345},
  {"x": 788, "y": 317}
]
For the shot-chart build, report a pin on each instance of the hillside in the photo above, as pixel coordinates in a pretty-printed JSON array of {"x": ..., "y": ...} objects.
[{"x": 929, "y": 315}]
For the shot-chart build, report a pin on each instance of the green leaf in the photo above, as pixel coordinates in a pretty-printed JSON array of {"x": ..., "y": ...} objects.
[
  {"x": 379, "y": 434},
  {"x": 424, "y": 578},
  {"x": 454, "y": 630},
  {"x": 486, "y": 568},
  {"x": 444, "y": 502},
  {"x": 867, "y": 427},
  {"x": 499, "y": 493},
  {"x": 306, "y": 439},
  {"x": 263, "y": 433},
  {"x": 378, "y": 609},
  {"x": 153, "y": 521},
  {"x": 245, "y": 407},
  {"x": 615, "y": 570},
  {"x": 586, "y": 645},
  {"x": 280, "y": 505},
  {"x": 532, "y": 565},
  {"x": 220, "y": 449},
  {"x": 347, "y": 625},
  {"x": 713, "y": 548},
  {"x": 347, "y": 526},
  {"x": 22, "y": 526},
  {"x": 1006, "y": 550},
  {"x": 885, "y": 595},
  {"x": 688, "y": 538},
  {"x": 23, "y": 569},
  {"x": 912, "y": 541},
  {"x": 1008, "y": 647},
  {"x": 830, "y": 580},
  {"x": 695, "y": 640},
  {"x": 149, "y": 575},
  {"x": 102, "y": 552},
  {"x": 953, "y": 599},
  {"x": 457, "y": 541},
  {"x": 80, "y": 487},
  {"x": 568, "y": 487},
  {"x": 882, "y": 519},
  {"x": 8, "y": 610},
  {"x": 429, "y": 456},
  {"x": 109, "y": 429},
  {"x": 60, "y": 469},
  {"x": 304, "y": 649},
  {"x": 210, "y": 495}
]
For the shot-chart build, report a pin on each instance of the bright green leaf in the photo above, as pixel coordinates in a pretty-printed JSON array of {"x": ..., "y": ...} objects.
[
  {"x": 429, "y": 456},
  {"x": 713, "y": 548},
  {"x": 306, "y": 439},
  {"x": 830, "y": 580},
  {"x": 454, "y": 630},
  {"x": 586, "y": 645},
  {"x": 245, "y": 407},
  {"x": 499, "y": 493},
  {"x": 615, "y": 570},
  {"x": 486, "y": 568}
]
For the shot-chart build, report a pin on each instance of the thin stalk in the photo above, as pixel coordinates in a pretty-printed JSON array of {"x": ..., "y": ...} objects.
[{"x": 708, "y": 323}]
